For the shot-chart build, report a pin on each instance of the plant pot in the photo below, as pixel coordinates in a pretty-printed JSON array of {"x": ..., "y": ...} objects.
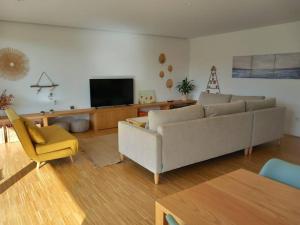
[{"x": 185, "y": 97}]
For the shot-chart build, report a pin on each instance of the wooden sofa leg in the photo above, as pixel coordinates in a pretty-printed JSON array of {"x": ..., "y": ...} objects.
[
  {"x": 71, "y": 157},
  {"x": 156, "y": 178},
  {"x": 279, "y": 142},
  {"x": 121, "y": 157},
  {"x": 38, "y": 165},
  {"x": 250, "y": 150},
  {"x": 246, "y": 151}
]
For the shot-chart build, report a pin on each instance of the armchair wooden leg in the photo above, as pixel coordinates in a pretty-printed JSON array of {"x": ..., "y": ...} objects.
[
  {"x": 246, "y": 151},
  {"x": 38, "y": 165},
  {"x": 72, "y": 160},
  {"x": 121, "y": 157},
  {"x": 156, "y": 178}
]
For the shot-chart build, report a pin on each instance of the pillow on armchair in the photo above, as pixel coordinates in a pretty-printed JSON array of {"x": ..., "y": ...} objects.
[{"x": 34, "y": 132}]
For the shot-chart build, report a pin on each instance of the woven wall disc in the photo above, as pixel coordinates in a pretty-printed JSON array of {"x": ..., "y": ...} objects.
[
  {"x": 13, "y": 64},
  {"x": 162, "y": 58},
  {"x": 170, "y": 68},
  {"x": 169, "y": 83},
  {"x": 161, "y": 74}
]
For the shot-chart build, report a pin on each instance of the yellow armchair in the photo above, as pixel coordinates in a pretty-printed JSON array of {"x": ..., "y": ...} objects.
[{"x": 59, "y": 143}]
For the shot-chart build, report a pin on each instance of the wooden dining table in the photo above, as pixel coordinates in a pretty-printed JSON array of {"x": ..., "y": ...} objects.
[{"x": 237, "y": 198}]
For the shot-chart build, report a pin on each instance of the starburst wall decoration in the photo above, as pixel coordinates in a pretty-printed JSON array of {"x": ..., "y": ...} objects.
[{"x": 13, "y": 64}]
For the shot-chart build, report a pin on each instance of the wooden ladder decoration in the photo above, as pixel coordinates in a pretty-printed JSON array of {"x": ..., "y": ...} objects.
[{"x": 213, "y": 83}]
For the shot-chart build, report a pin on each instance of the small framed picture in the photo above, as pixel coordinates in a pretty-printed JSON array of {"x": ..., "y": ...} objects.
[{"x": 146, "y": 97}]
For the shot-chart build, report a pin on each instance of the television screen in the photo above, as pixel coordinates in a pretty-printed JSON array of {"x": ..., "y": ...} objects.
[{"x": 109, "y": 92}]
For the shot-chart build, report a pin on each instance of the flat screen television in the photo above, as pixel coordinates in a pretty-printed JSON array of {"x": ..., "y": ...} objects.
[{"x": 110, "y": 92}]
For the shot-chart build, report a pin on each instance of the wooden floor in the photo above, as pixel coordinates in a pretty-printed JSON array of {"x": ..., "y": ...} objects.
[{"x": 78, "y": 193}]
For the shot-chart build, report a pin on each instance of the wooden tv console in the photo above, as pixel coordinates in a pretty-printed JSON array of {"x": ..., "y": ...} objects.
[
  {"x": 104, "y": 117},
  {"x": 108, "y": 117}
]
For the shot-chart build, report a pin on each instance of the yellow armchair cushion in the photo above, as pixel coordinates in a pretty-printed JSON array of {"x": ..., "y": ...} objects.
[
  {"x": 34, "y": 132},
  {"x": 56, "y": 139}
]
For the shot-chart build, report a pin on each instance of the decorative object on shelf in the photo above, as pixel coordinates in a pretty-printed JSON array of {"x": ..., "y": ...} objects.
[
  {"x": 161, "y": 74},
  {"x": 170, "y": 68},
  {"x": 50, "y": 96},
  {"x": 169, "y": 83},
  {"x": 146, "y": 97},
  {"x": 51, "y": 110},
  {"x": 72, "y": 107},
  {"x": 273, "y": 66},
  {"x": 51, "y": 85},
  {"x": 14, "y": 64},
  {"x": 5, "y": 100},
  {"x": 213, "y": 83},
  {"x": 162, "y": 58},
  {"x": 185, "y": 87}
]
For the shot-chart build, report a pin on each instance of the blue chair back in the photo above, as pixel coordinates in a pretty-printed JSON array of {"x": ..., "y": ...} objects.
[
  {"x": 282, "y": 171},
  {"x": 170, "y": 219}
]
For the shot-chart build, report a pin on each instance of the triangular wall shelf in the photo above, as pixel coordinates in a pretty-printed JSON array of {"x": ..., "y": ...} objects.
[{"x": 52, "y": 85}]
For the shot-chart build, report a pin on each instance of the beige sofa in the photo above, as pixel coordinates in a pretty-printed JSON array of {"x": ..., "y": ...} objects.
[
  {"x": 268, "y": 119},
  {"x": 180, "y": 137}
]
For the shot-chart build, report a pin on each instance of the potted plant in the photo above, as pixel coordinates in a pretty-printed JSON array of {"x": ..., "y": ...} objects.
[
  {"x": 5, "y": 100},
  {"x": 185, "y": 87}
]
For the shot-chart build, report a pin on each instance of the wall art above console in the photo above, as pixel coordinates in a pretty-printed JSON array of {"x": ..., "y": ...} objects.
[{"x": 273, "y": 66}]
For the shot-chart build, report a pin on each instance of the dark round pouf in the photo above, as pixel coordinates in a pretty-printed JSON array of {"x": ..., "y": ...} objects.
[{"x": 79, "y": 125}]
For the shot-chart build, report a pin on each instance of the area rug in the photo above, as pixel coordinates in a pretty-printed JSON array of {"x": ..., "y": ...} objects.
[{"x": 101, "y": 150}]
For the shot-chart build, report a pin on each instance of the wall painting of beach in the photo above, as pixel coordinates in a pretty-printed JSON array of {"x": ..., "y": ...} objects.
[{"x": 275, "y": 66}]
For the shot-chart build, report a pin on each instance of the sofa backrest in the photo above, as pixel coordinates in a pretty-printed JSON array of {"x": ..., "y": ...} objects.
[
  {"x": 159, "y": 117},
  {"x": 21, "y": 132},
  {"x": 246, "y": 98},
  {"x": 192, "y": 141},
  {"x": 253, "y": 105},
  {"x": 224, "y": 108},
  {"x": 210, "y": 98}
]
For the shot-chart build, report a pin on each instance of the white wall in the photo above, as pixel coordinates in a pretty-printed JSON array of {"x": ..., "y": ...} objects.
[
  {"x": 72, "y": 56},
  {"x": 218, "y": 50}
]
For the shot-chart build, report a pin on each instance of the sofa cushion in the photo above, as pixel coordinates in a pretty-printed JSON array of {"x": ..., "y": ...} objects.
[
  {"x": 224, "y": 108},
  {"x": 57, "y": 139},
  {"x": 253, "y": 105},
  {"x": 159, "y": 117},
  {"x": 246, "y": 98},
  {"x": 209, "y": 98}
]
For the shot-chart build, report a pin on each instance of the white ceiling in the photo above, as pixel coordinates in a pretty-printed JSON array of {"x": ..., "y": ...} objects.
[{"x": 176, "y": 18}]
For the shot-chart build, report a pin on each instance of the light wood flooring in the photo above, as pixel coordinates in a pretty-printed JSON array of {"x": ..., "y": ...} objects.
[{"x": 65, "y": 193}]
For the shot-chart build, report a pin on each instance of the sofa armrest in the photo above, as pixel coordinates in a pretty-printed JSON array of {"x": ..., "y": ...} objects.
[
  {"x": 268, "y": 125},
  {"x": 141, "y": 145}
]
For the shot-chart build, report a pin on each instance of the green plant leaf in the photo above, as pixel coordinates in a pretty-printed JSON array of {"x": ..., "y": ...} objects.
[{"x": 185, "y": 86}]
